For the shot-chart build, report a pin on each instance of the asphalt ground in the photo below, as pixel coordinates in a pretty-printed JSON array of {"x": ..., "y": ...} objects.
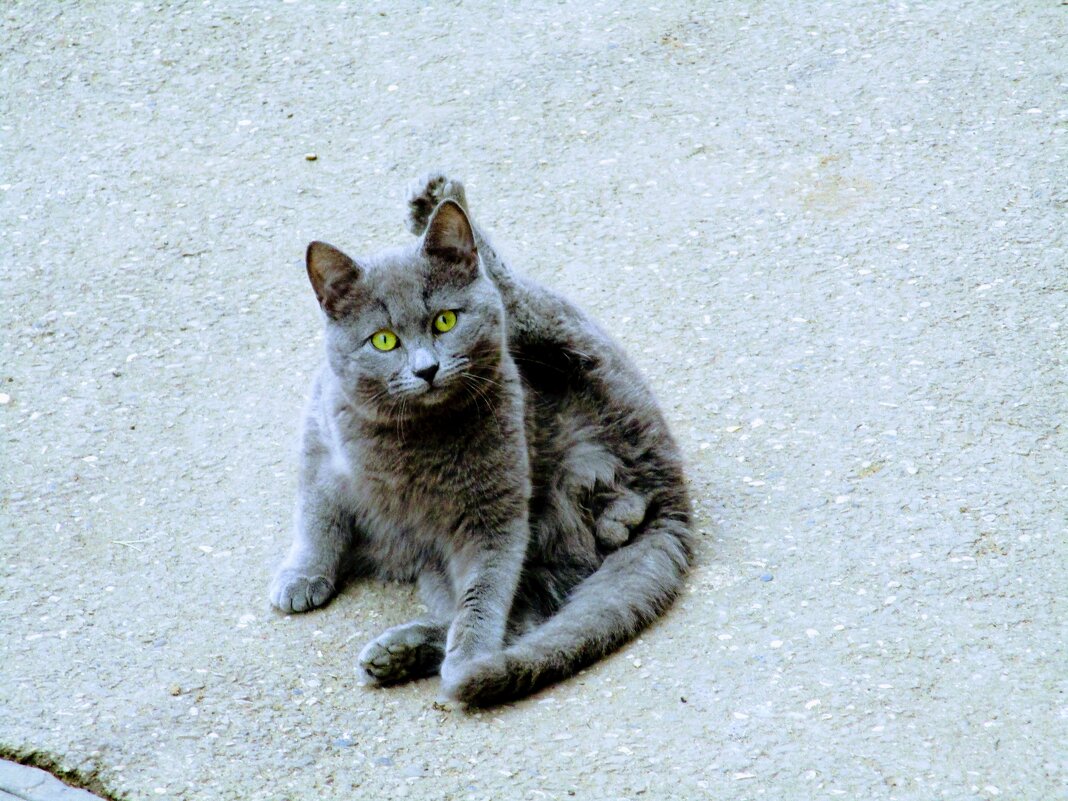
[{"x": 831, "y": 234}]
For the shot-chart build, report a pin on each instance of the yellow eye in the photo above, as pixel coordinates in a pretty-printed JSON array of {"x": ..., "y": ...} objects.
[
  {"x": 444, "y": 321},
  {"x": 384, "y": 340}
]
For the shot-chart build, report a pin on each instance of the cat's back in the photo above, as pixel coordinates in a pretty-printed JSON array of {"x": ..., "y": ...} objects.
[
  {"x": 601, "y": 454},
  {"x": 571, "y": 366}
]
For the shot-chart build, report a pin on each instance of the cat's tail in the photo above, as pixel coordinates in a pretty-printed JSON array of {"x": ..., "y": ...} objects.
[
  {"x": 426, "y": 192},
  {"x": 632, "y": 587}
]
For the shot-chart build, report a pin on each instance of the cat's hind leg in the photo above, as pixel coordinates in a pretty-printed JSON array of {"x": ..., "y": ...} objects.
[
  {"x": 617, "y": 522},
  {"x": 424, "y": 195}
]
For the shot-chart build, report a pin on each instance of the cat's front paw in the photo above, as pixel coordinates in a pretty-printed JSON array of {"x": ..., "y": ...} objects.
[
  {"x": 468, "y": 680},
  {"x": 454, "y": 673},
  {"x": 403, "y": 653},
  {"x": 424, "y": 195},
  {"x": 292, "y": 591}
]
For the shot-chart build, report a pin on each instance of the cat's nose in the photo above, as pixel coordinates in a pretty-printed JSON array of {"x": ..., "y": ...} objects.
[
  {"x": 427, "y": 373},
  {"x": 424, "y": 364}
]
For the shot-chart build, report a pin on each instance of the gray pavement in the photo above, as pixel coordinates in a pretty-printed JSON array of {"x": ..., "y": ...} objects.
[
  {"x": 832, "y": 234},
  {"x": 26, "y": 783}
]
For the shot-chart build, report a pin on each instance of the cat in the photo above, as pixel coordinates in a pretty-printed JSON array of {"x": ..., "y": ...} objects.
[{"x": 477, "y": 434}]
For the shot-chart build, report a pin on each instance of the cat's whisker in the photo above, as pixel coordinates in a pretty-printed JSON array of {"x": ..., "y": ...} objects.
[
  {"x": 402, "y": 418},
  {"x": 484, "y": 379},
  {"x": 563, "y": 367},
  {"x": 479, "y": 392}
]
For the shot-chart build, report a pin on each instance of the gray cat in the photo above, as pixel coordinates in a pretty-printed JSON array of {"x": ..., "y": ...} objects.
[{"x": 477, "y": 434}]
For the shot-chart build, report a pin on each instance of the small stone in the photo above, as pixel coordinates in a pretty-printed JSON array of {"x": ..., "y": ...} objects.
[
  {"x": 174, "y": 689},
  {"x": 766, "y": 577},
  {"x": 311, "y": 157},
  {"x": 344, "y": 742}
]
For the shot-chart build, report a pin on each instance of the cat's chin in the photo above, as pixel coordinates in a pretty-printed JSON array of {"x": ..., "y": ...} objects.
[
  {"x": 434, "y": 396},
  {"x": 424, "y": 397}
]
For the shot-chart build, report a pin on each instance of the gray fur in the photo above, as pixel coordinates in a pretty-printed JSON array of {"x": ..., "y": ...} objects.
[{"x": 531, "y": 488}]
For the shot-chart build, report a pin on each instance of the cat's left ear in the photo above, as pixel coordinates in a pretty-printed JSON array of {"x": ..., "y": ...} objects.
[
  {"x": 333, "y": 275},
  {"x": 450, "y": 240}
]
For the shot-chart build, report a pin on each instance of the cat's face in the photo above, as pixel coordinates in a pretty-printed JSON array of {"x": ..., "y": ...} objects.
[{"x": 409, "y": 330}]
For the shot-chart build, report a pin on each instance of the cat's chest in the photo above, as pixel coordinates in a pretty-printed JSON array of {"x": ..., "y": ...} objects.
[{"x": 397, "y": 486}]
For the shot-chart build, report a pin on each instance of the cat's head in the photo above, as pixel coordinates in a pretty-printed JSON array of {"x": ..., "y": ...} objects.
[{"x": 410, "y": 329}]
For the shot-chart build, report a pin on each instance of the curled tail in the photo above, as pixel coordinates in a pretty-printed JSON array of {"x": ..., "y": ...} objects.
[
  {"x": 424, "y": 195},
  {"x": 632, "y": 587}
]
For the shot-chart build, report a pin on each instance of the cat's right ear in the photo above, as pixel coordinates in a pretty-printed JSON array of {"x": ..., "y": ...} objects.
[
  {"x": 333, "y": 276},
  {"x": 450, "y": 240}
]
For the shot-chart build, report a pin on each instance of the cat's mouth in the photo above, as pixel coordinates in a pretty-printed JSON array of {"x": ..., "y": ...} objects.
[
  {"x": 423, "y": 392},
  {"x": 432, "y": 390}
]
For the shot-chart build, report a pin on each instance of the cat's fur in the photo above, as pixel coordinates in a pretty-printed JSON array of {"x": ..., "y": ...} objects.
[{"x": 528, "y": 482}]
